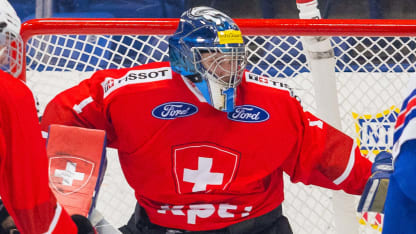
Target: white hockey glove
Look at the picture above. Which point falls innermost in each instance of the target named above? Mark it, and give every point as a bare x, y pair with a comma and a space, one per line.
375, 191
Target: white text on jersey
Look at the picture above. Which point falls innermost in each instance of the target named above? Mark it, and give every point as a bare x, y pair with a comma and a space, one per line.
135, 77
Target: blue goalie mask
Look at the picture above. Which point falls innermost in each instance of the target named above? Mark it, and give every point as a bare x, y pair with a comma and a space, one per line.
208, 48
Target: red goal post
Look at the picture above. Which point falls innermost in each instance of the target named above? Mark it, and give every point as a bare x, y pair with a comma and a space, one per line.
372, 62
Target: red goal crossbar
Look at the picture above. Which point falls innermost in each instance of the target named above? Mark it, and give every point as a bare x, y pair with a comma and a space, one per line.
249, 27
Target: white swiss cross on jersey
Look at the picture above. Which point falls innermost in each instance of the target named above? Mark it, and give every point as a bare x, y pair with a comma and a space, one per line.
203, 167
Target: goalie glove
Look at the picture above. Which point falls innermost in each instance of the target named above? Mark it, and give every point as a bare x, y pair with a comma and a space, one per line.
375, 191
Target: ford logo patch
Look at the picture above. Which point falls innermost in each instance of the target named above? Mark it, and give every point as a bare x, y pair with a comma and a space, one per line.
248, 114
173, 110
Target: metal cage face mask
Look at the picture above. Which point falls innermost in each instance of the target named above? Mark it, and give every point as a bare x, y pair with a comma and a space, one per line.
11, 53
11, 44
221, 70
221, 65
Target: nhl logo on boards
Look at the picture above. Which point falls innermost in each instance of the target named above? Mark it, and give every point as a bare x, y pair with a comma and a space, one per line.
375, 132
203, 167
69, 174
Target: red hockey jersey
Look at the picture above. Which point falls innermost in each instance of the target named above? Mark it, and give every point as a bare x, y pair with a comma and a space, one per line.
196, 168
24, 185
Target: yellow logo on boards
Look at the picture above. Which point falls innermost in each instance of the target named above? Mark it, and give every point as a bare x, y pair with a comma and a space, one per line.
230, 37
375, 132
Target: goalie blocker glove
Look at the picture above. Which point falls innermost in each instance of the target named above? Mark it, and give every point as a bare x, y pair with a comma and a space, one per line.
375, 191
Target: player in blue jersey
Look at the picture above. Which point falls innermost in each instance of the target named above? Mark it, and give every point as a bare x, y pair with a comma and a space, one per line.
400, 206
391, 188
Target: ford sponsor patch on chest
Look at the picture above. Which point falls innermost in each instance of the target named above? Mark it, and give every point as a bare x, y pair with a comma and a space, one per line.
173, 110
248, 114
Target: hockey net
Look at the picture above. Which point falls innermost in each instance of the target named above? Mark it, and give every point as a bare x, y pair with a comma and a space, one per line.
373, 60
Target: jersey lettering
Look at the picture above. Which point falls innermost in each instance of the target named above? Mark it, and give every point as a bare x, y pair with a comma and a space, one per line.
135, 77
173, 110
316, 123
248, 114
195, 212
266, 81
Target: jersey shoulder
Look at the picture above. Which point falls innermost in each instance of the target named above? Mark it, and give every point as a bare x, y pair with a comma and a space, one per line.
268, 84
406, 118
144, 76
13, 89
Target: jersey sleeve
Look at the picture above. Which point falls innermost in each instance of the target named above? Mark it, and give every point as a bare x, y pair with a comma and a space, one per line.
327, 158
80, 106
24, 183
400, 203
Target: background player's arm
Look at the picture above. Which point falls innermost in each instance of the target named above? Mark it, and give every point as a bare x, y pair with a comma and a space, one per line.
24, 184
74, 107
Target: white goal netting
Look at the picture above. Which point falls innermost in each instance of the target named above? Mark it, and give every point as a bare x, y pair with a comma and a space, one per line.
370, 77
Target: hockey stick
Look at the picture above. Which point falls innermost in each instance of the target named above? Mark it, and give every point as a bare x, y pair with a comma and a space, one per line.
101, 225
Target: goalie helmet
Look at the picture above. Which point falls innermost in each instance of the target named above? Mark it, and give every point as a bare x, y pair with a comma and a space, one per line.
11, 44
208, 48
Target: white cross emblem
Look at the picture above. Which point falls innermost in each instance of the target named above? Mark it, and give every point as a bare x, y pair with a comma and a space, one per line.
69, 174
203, 176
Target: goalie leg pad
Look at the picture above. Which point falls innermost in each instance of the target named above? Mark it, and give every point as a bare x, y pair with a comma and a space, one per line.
77, 164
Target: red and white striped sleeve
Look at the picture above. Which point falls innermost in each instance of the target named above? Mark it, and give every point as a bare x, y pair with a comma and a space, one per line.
328, 158
80, 106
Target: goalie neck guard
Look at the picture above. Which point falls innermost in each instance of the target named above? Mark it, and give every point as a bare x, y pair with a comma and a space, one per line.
208, 48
